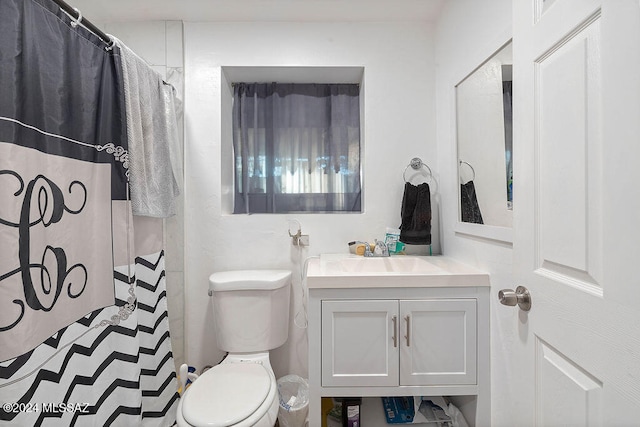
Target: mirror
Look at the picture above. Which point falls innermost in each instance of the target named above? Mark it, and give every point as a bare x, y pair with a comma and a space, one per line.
484, 131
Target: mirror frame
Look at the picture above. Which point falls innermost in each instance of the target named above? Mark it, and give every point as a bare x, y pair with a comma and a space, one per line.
489, 232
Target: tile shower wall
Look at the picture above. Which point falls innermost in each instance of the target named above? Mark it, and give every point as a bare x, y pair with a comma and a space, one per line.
159, 43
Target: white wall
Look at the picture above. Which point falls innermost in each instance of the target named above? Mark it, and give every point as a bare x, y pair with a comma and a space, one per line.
467, 33
399, 123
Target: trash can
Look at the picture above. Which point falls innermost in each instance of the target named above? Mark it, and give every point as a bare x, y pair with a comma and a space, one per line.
294, 401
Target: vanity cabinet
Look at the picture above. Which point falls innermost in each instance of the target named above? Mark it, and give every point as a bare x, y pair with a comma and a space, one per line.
398, 342
399, 334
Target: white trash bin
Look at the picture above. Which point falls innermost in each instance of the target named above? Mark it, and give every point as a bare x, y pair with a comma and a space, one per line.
293, 392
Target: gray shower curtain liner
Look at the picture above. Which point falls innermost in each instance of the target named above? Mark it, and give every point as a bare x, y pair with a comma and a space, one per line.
84, 336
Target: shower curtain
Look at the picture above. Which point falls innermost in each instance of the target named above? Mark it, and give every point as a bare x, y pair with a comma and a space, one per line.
84, 336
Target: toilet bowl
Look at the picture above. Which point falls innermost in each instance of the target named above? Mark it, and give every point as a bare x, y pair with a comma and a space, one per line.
251, 314
240, 392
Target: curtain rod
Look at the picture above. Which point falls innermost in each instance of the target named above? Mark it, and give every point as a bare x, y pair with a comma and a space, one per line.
75, 14
234, 84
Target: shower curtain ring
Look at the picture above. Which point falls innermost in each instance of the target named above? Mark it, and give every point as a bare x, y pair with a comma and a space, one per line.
76, 21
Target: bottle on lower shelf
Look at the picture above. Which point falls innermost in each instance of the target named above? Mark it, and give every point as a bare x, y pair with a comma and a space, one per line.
341, 412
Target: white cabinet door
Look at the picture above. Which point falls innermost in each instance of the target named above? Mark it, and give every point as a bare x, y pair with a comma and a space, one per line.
438, 342
358, 343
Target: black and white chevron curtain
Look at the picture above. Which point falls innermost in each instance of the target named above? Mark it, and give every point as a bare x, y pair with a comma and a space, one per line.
84, 335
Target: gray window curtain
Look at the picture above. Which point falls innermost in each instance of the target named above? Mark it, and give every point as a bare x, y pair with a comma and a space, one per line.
296, 147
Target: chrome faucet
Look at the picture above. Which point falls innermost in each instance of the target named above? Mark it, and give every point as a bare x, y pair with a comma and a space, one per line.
380, 249
367, 248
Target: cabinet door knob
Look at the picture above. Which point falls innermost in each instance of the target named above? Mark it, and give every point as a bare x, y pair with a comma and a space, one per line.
521, 297
408, 320
394, 320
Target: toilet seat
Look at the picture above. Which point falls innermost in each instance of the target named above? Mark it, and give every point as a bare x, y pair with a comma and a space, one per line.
226, 394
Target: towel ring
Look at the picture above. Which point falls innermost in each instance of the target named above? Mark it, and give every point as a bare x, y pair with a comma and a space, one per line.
416, 164
473, 171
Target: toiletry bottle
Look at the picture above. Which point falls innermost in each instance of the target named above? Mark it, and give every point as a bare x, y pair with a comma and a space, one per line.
391, 239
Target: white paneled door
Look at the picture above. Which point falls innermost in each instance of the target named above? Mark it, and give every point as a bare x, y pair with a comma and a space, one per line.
576, 359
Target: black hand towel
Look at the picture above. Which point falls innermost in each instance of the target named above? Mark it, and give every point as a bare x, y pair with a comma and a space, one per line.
416, 214
469, 204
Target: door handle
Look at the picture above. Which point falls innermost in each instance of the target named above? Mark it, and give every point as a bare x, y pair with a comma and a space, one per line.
521, 296
394, 319
408, 336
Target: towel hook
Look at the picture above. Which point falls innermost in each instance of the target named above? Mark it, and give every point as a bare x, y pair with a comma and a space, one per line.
473, 171
76, 21
416, 164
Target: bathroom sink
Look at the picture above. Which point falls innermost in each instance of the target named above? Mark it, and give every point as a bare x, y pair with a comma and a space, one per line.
352, 271
376, 266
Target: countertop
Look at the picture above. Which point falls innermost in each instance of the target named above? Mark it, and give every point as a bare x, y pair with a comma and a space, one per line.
352, 271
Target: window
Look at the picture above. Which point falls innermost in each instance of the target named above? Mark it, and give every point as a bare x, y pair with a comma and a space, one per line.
296, 147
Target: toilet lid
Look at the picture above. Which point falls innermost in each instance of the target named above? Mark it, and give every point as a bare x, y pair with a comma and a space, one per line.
226, 394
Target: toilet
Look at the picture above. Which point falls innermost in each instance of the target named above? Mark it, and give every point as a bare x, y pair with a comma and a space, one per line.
251, 316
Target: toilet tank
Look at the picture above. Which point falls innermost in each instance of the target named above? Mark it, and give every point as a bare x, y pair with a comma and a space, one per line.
250, 309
